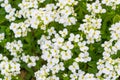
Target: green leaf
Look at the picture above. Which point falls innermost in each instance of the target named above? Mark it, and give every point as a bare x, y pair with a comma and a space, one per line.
92, 63
2, 15
66, 78
114, 56
116, 18
30, 70
15, 3
1, 76
92, 70
68, 63
28, 76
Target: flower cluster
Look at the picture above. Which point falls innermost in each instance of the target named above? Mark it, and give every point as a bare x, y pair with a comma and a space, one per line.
91, 28
52, 52
39, 17
112, 3
8, 68
14, 47
79, 74
95, 8
45, 71
8, 8
20, 30
30, 60
115, 34
107, 66
65, 11
57, 48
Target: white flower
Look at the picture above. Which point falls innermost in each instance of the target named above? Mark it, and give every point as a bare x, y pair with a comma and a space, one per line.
34, 23
54, 52
10, 17
53, 77
74, 38
58, 41
65, 55
61, 66
64, 32
55, 69
73, 76
50, 64
74, 67
1, 57
18, 33
7, 78
89, 77
83, 46
2, 36
14, 26
68, 45
51, 31
83, 57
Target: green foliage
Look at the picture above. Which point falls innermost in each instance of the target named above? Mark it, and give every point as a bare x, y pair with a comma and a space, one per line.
2, 15
92, 68
116, 18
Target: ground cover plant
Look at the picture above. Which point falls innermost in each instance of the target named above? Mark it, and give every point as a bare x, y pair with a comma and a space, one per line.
59, 39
